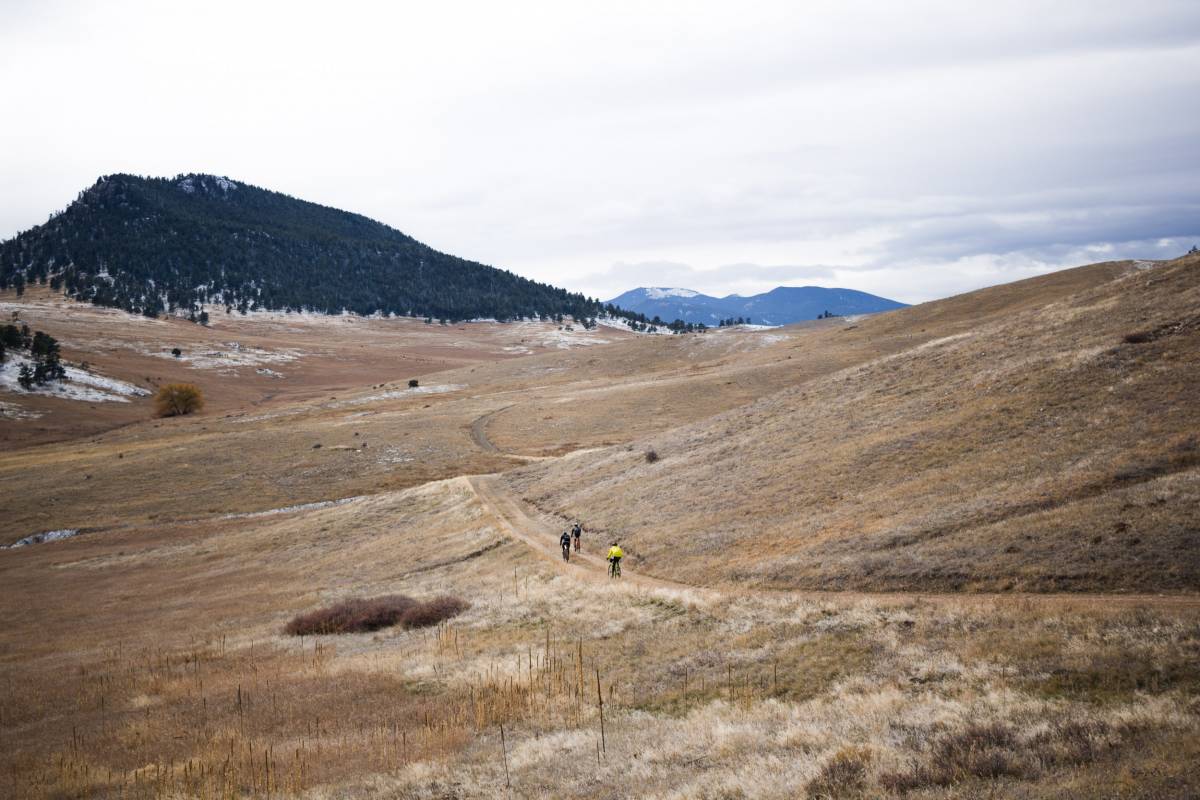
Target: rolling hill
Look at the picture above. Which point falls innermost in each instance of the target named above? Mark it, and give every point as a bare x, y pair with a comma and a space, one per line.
782, 305
153, 245
1038, 436
1037, 439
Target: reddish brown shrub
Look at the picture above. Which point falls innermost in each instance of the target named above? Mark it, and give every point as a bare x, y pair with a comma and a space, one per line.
360, 615
431, 612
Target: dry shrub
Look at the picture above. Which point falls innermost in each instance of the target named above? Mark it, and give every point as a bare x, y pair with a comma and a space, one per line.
651, 456
365, 614
177, 399
431, 612
977, 751
844, 775
1071, 743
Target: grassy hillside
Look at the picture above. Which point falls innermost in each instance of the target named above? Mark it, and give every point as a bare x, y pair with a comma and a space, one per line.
1037, 436
997, 440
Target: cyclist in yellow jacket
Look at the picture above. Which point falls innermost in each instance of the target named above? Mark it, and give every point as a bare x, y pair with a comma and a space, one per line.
614, 560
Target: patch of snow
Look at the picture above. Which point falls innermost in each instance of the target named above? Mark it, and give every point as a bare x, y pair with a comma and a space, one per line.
14, 411
290, 509
1146, 264
42, 538
238, 355
79, 385
544, 335
660, 293
395, 455
395, 393
621, 323
270, 373
59, 307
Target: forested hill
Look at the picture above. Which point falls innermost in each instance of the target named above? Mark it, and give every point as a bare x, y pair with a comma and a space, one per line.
151, 245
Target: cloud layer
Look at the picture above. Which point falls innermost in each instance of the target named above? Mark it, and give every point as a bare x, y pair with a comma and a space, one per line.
911, 150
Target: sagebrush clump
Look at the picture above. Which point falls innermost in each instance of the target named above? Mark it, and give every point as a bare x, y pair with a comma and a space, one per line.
177, 399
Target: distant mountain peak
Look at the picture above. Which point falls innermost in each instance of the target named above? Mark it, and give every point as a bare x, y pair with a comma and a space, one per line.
658, 293
782, 305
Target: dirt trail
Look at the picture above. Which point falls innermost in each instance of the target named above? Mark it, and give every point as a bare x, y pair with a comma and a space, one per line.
542, 537
510, 514
479, 431
479, 436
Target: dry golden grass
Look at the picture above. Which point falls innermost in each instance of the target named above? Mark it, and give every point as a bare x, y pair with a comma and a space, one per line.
146, 657
1035, 450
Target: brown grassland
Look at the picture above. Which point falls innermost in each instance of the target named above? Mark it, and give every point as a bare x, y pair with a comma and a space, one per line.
949, 551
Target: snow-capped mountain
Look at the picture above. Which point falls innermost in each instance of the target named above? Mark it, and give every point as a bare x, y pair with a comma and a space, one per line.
780, 306
659, 294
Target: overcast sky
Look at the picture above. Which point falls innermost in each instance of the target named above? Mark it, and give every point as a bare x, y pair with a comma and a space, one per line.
912, 150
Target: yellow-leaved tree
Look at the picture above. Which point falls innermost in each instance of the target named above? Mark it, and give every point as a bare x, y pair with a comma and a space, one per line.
175, 399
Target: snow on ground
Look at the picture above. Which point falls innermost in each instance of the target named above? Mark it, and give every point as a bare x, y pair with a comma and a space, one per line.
79, 385
396, 393
620, 323
542, 334
60, 307
41, 538
289, 509
15, 411
233, 355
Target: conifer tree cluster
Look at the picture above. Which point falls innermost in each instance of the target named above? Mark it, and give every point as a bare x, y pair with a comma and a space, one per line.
44, 365
198, 242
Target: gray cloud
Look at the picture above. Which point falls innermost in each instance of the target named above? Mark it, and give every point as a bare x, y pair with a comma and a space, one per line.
917, 149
